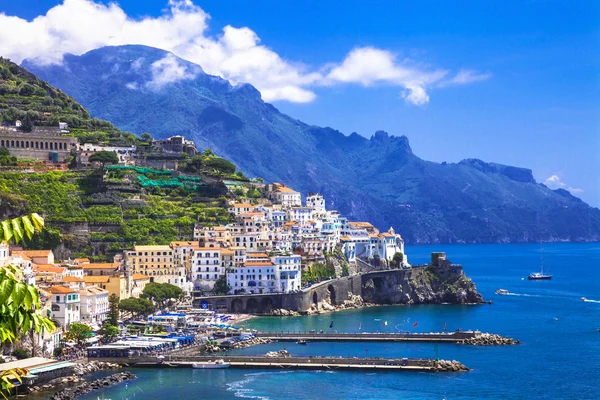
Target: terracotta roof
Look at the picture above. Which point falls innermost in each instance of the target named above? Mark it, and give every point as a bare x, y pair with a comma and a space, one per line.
207, 248
34, 253
249, 263
225, 252
96, 279
82, 260
284, 189
60, 290
361, 224
113, 265
345, 238
242, 205
257, 255
139, 277
72, 279
184, 244
152, 248
49, 268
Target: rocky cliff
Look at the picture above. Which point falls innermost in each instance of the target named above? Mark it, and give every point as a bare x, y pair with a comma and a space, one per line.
427, 285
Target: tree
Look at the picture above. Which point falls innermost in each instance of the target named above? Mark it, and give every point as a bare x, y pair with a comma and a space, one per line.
20, 303
146, 137
220, 165
136, 306
221, 286
108, 332
105, 157
21, 353
113, 310
78, 333
160, 292
397, 260
27, 124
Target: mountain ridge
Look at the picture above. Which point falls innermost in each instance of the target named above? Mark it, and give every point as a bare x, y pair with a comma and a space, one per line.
378, 179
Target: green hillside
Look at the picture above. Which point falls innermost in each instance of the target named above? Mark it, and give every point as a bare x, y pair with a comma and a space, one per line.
115, 205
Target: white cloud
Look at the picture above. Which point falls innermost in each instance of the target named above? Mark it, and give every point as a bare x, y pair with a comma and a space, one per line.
554, 182
168, 70
237, 54
464, 77
368, 66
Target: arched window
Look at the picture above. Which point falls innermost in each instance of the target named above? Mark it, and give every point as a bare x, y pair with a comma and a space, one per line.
50, 145
46, 145
27, 144
37, 145
22, 143
2, 143
12, 143
55, 307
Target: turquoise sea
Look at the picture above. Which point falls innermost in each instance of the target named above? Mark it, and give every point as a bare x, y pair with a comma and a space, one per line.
559, 357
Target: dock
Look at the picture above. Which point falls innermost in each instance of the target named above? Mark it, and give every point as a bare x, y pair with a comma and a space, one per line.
305, 363
434, 337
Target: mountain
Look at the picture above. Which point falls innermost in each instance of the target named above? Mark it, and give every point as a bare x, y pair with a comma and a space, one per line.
142, 89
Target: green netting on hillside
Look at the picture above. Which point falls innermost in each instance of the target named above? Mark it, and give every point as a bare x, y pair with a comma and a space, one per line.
171, 183
141, 170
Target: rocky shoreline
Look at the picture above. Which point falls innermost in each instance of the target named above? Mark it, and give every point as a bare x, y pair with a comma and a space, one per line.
86, 387
238, 345
81, 368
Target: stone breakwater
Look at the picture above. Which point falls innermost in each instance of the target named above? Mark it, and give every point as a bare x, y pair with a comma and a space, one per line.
450, 366
488, 339
325, 306
86, 387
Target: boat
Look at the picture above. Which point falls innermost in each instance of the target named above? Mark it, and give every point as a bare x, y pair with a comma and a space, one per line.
583, 299
540, 276
301, 341
501, 291
218, 364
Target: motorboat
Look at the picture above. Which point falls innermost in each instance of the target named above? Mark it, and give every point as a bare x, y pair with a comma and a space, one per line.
502, 291
301, 341
583, 299
217, 364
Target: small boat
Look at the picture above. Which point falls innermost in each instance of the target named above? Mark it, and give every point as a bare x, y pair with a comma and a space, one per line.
218, 364
583, 299
501, 291
540, 276
301, 341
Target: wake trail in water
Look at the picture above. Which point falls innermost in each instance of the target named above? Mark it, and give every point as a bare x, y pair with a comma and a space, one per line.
240, 390
591, 301
524, 295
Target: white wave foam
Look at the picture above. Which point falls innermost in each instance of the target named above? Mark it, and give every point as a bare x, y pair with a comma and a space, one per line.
591, 301
239, 387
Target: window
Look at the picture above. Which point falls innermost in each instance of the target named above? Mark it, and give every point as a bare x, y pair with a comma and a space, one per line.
58, 299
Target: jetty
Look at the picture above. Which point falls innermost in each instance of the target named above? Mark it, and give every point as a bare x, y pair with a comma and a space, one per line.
305, 363
316, 336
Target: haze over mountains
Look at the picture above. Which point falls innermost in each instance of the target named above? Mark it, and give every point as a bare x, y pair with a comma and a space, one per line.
143, 89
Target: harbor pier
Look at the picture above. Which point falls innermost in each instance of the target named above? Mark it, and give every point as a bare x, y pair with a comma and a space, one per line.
306, 363
316, 336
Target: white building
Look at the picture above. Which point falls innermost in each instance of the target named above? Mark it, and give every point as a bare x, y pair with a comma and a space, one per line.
300, 214
206, 267
65, 305
285, 196
288, 272
315, 202
94, 305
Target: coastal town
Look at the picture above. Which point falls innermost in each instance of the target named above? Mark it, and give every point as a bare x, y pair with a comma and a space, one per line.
279, 243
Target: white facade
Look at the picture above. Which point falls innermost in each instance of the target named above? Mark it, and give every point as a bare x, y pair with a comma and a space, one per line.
65, 305
316, 202
93, 305
206, 267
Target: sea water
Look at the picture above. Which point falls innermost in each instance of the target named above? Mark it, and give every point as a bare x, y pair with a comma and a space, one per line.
559, 355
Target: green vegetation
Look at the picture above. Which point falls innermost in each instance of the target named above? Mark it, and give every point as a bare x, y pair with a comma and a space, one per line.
317, 271
221, 286
6, 159
397, 260
113, 310
21, 305
144, 216
109, 332
21, 353
137, 306
161, 292
209, 164
105, 157
79, 333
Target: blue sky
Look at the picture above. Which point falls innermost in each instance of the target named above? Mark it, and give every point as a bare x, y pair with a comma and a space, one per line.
536, 102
